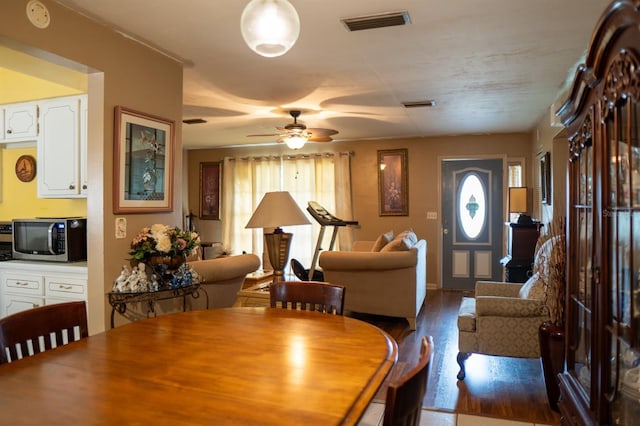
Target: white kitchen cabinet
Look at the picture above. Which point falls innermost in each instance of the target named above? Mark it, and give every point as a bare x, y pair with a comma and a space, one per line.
26, 285
20, 122
62, 146
20, 291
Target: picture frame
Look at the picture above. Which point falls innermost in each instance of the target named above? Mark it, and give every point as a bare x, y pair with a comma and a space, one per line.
393, 182
143, 162
210, 179
545, 178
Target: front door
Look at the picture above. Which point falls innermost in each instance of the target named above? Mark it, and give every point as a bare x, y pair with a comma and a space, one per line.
472, 221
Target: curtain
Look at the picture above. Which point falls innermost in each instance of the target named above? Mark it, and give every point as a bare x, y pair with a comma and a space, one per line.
324, 178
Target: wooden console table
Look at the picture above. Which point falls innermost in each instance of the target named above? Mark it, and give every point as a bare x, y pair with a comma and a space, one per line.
119, 300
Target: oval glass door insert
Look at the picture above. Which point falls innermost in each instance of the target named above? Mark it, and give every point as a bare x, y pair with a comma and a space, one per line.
472, 205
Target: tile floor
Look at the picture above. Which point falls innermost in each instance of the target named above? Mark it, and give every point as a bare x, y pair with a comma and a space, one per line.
375, 411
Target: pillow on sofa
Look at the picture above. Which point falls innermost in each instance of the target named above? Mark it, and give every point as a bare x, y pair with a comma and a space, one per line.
382, 241
409, 235
398, 244
533, 288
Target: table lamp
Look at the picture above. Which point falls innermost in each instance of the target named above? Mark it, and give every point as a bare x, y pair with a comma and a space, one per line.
277, 209
518, 203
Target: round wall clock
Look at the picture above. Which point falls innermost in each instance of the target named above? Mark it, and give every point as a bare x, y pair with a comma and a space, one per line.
26, 168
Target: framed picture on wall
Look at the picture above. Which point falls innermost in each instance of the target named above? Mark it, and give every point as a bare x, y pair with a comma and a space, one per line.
143, 162
393, 183
545, 178
210, 190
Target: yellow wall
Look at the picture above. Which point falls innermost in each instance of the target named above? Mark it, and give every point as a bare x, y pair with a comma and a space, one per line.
19, 87
19, 199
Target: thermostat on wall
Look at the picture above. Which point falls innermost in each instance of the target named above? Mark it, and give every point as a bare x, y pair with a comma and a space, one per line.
38, 14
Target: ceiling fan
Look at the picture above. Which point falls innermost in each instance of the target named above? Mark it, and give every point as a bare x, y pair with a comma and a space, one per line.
295, 134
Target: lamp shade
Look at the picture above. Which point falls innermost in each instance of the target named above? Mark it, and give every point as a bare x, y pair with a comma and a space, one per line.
270, 27
518, 200
277, 209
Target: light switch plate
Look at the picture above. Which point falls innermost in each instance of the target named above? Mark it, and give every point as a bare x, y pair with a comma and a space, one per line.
121, 228
432, 215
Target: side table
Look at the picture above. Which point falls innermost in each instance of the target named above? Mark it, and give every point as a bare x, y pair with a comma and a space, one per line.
256, 296
257, 277
119, 300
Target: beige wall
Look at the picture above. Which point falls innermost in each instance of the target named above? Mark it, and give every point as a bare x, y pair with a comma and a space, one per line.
122, 73
424, 155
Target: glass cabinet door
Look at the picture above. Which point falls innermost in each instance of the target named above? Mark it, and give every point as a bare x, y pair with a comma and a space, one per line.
581, 283
621, 220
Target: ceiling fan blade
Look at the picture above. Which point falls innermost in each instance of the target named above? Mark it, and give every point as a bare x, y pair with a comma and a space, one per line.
320, 139
322, 132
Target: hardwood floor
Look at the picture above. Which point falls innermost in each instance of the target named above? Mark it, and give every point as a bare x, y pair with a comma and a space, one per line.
504, 387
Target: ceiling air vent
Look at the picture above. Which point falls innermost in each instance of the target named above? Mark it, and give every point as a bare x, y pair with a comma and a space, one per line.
419, 104
380, 20
194, 121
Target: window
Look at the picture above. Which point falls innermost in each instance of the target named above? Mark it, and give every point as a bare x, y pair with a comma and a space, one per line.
324, 178
515, 177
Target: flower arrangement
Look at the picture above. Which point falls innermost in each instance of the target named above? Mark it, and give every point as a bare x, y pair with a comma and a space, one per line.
163, 240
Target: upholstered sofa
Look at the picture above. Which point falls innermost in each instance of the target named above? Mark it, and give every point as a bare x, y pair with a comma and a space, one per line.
222, 278
391, 283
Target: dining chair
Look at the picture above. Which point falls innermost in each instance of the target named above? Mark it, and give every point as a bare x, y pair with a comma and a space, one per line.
404, 395
39, 329
308, 295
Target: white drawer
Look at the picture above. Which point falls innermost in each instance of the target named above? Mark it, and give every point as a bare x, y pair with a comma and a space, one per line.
66, 287
24, 284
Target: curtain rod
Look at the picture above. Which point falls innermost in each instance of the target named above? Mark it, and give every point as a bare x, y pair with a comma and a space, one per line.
290, 156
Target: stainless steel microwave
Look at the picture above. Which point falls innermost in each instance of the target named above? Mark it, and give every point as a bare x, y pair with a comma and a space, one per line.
50, 239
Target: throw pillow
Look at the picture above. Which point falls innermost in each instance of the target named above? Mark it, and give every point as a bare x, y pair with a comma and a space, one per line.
533, 288
382, 241
398, 244
409, 235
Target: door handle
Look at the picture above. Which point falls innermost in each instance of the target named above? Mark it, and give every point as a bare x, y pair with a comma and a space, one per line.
445, 231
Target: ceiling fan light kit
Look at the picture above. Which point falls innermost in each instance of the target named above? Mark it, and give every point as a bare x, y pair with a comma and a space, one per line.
270, 27
295, 141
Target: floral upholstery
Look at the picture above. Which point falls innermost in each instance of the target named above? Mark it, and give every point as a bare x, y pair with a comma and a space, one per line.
499, 322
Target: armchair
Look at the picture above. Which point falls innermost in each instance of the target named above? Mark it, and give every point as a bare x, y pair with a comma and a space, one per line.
503, 319
222, 278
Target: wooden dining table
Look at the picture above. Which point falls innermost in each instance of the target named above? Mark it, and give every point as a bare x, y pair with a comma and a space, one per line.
242, 366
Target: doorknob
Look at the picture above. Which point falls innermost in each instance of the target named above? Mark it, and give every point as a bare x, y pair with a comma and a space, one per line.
445, 231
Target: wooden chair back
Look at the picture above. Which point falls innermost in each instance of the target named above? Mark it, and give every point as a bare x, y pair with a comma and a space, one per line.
36, 330
308, 295
404, 396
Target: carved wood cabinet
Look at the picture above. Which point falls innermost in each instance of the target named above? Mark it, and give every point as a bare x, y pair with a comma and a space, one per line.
601, 384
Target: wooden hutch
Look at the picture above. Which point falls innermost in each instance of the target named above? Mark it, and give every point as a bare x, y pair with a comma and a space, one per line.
602, 116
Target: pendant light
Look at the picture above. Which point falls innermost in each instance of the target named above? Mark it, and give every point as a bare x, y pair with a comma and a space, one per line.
270, 27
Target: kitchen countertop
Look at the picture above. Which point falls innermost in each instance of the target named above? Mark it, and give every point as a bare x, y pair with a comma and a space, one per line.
35, 266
